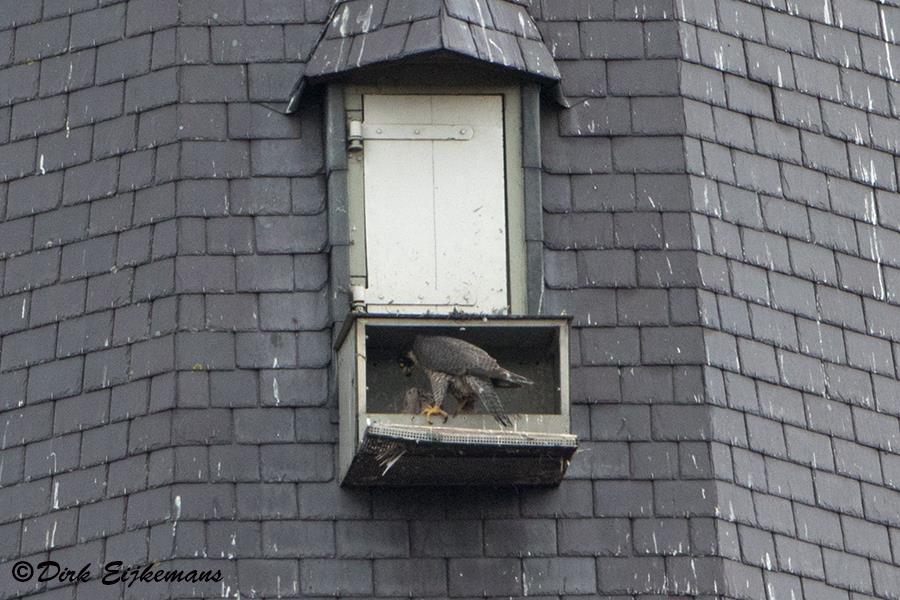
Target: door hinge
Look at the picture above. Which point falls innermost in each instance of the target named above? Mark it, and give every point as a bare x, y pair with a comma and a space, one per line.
395, 131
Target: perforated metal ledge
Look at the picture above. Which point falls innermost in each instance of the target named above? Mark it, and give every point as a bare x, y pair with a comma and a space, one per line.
416, 455
456, 435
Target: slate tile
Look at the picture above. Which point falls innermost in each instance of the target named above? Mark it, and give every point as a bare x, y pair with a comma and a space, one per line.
93, 28
42, 39
123, 60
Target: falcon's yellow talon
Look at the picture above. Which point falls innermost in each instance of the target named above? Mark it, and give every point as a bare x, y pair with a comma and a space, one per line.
431, 410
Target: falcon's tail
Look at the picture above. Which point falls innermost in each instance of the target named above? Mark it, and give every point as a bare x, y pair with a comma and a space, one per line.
505, 378
489, 399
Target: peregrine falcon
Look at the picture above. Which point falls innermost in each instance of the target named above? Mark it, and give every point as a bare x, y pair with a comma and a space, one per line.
463, 368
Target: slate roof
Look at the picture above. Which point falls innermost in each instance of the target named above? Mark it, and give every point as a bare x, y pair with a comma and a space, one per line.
366, 32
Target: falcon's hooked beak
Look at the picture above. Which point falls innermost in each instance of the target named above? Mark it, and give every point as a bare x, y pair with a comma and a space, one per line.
407, 362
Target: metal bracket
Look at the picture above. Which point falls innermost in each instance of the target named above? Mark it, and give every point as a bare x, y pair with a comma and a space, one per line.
354, 136
395, 131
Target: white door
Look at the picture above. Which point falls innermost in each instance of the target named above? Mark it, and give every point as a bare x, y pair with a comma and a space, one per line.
435, 208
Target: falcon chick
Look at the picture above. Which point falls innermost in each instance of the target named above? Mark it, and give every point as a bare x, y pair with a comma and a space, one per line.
415, 400
463, 368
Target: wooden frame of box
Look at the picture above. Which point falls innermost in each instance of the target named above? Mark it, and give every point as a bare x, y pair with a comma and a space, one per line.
383, 443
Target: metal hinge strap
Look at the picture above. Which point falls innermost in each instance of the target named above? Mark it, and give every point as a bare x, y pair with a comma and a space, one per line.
417, 132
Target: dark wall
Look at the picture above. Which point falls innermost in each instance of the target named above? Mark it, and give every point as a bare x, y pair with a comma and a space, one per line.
720, 218
792, 140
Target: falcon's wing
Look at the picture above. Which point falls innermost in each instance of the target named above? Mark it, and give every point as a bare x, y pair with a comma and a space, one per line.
458, 357
451, 355
489, 398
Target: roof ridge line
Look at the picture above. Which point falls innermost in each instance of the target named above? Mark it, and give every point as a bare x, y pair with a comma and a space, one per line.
495, 32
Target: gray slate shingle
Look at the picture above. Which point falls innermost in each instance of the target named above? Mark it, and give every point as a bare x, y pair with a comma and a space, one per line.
364, 32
